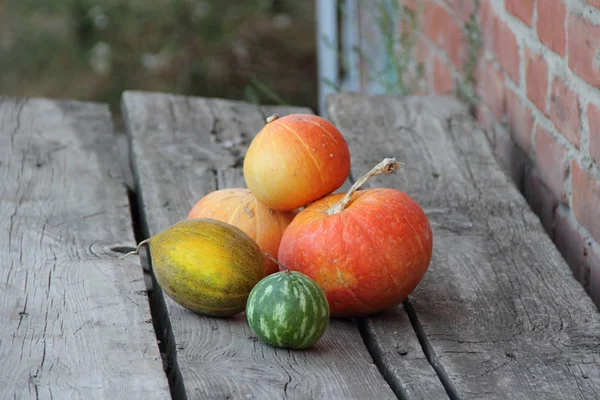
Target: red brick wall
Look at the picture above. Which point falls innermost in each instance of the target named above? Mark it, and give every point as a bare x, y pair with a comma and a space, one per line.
538, 86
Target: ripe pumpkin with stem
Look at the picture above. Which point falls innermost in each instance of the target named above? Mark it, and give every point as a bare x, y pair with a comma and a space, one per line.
238, 207
294, 160
367, 249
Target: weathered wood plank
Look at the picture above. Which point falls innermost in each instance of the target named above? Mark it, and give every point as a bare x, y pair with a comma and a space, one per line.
499, 312
75, 319
182, 149
401, 360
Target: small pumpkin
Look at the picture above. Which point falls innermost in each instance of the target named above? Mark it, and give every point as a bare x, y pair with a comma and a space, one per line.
238, 207
368, 249
206, 266
294, 160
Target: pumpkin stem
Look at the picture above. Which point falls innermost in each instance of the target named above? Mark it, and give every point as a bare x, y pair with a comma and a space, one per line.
286, 269
272, 118
137, 250
386, 166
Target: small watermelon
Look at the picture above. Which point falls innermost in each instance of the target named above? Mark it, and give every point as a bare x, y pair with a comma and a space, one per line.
288, 309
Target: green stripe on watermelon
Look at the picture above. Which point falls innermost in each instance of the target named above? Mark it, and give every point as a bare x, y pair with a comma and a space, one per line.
288, 310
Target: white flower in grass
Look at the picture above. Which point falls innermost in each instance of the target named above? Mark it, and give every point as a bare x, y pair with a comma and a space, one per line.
100, 58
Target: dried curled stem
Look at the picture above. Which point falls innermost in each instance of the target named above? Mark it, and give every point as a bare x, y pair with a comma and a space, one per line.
272, 118
137, 250
386, 166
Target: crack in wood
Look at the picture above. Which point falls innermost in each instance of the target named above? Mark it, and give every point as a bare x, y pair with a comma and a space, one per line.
159, 320
429, 352
378, 358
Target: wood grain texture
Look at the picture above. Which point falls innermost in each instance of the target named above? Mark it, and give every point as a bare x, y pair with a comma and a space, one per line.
401, 360
499, 312
182, 149
75, 319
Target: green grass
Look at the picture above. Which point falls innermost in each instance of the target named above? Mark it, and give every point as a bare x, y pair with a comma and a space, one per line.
256, 50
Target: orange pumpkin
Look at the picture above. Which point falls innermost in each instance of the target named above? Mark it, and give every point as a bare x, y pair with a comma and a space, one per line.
239, 208
295, 160
367, 250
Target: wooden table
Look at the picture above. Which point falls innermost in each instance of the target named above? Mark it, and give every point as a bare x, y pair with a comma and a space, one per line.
497, 316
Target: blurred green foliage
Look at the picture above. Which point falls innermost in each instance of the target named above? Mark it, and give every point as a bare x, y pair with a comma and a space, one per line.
255, 50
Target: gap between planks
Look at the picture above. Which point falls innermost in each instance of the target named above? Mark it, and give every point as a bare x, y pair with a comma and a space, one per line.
160, 320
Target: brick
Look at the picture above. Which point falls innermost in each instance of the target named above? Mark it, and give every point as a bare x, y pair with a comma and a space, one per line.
422, 50
443, 82
411, 4
550, 24
584, 49
564, 111
594, 127
487, 23
423, 56
536, 78
520, 120
506, 50
550, 156
445, 32
522, 9
593, 269
541, 200
594, 3
462, 8
571, 244
490, 87
586, 199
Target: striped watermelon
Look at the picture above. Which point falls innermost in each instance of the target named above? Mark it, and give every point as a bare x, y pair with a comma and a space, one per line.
288, 309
